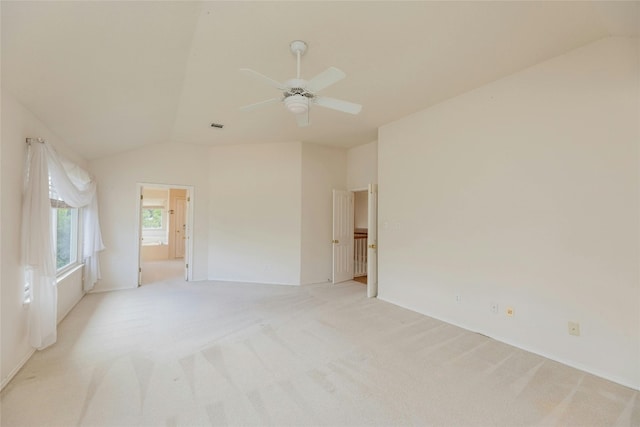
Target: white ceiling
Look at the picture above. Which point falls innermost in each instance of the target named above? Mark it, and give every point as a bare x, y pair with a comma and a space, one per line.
112, 76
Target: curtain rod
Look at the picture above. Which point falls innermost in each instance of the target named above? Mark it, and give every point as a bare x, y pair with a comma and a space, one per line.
30, 140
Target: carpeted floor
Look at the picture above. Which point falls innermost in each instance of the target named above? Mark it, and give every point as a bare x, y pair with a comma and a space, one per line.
159, 271
211, 353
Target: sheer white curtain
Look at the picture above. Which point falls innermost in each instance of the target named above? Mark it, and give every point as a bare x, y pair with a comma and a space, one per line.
77, 189
38, 256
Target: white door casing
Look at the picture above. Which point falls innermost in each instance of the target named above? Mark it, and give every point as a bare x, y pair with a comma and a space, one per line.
372, 242
342, 235
140, 201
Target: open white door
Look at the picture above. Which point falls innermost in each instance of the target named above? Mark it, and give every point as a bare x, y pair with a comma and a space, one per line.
187, 235
342, 236
372, 243
180, 227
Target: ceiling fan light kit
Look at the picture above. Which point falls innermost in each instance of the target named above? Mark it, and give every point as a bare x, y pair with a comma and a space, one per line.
298, 94
297, 104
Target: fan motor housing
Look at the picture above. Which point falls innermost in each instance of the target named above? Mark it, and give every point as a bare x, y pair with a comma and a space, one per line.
298, 91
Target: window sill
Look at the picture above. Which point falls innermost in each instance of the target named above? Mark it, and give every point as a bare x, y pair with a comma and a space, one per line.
68, 272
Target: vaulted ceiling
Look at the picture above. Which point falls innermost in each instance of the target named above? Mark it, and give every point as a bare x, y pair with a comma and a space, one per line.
112, 76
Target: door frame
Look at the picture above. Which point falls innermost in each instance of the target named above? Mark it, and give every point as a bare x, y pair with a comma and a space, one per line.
188, 256
372, 241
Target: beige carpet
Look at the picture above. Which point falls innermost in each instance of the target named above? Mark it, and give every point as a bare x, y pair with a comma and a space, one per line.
206, 353
159, 271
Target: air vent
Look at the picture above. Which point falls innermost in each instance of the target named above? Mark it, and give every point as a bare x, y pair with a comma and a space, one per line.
217, 125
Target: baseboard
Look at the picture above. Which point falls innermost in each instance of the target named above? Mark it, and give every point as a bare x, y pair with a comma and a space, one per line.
102, 290
249, 282
15, 370
71, 308
621, 381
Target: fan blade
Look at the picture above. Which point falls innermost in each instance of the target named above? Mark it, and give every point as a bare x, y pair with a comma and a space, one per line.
268, 80
337, 104
260, 104
303, 119
325, 79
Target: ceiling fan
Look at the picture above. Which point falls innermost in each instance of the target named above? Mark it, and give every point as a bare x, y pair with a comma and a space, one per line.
298, 93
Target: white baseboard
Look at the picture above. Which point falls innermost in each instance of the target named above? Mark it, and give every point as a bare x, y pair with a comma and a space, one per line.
67, 310
587, 369
15, 370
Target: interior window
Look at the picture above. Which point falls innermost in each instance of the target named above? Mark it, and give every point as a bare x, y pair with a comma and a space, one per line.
65, 226
64, 221
64, 230
153, 218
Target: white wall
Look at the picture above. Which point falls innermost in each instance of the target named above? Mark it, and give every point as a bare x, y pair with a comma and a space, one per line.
17, 124
118, 176
323, 169
528, 196
255, 213
362, 166
70, 292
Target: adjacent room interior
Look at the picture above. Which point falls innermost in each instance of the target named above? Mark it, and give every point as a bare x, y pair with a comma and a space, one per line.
164, 233
484, 269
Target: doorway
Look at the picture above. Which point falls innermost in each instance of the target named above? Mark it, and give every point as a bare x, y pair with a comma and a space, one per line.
360, 234
165, 219
355, 237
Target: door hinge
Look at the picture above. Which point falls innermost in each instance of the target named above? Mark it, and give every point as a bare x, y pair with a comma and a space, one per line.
188, 199
139, 270
141, 197
335, 241
186, 266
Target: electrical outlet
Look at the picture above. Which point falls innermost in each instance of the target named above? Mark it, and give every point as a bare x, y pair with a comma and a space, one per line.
494, 308
510, 311
574, 329
458, 298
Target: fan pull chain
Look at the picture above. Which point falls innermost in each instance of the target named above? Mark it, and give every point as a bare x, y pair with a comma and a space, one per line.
298, 55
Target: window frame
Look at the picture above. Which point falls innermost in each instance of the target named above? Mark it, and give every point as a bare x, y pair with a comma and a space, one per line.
163, 217
74, 231
74, 251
